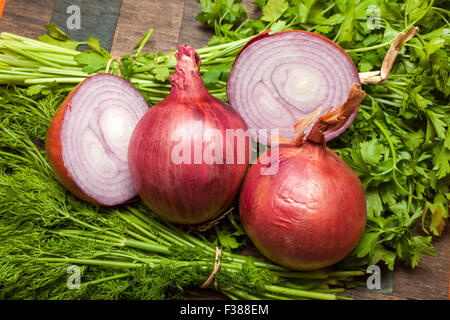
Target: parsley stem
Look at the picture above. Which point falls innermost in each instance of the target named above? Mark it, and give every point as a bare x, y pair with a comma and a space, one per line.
243, 24
163, 92
234, 44
394, 155
364, 49
35, 56
388, 102
307, 285
266, 295
29, 41
300, 293
142, 42
437, 10
234, 223
423, 14
328, 8
149, 83
408, 208
334, 290
385, 95
66, 71
239, 294
50, 80
394, 87
350, 273
303, 275
15, 62
230, 295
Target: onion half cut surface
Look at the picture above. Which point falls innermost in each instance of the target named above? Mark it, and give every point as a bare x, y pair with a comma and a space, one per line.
87, 142
280, 78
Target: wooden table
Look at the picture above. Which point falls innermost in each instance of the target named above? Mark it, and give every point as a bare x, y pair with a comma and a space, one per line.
174, 24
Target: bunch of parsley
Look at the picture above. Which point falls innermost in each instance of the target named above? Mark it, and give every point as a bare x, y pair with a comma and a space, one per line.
399, 144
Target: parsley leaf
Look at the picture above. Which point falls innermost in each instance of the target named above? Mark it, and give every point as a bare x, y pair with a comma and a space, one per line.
273, 10
161, 73
372, 151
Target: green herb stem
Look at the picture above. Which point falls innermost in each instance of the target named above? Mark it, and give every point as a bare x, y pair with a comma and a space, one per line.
300, 293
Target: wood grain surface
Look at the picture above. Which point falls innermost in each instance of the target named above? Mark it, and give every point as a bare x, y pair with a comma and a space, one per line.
94, 19
174, 23
26, 17
136, 17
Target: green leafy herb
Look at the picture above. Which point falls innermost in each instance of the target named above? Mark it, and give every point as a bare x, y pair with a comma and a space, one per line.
399, 145
57, 37
273, 10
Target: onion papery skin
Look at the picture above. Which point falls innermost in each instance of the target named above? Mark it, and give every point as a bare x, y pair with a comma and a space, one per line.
279, 78
307, 216
80, 143
191, 191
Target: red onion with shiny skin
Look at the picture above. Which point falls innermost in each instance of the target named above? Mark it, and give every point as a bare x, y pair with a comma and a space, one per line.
312, 212
87, 142
179, 170
282, 77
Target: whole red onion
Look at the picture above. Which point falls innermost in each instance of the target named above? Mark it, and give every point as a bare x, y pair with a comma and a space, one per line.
312, 212
187, 155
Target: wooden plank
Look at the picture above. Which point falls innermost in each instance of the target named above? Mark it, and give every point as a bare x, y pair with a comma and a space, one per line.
252, 10
80, 19
26, 17
430, 280
366, 295
137, 17
193, 32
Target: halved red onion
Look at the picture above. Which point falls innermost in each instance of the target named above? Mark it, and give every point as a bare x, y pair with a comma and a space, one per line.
87, 142
280, 78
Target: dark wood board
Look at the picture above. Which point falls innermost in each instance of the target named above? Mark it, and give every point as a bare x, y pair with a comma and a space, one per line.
174, 23
26, 17
83, 19
137, 17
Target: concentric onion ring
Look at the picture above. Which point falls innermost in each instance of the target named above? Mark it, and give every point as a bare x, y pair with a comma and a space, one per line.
280, 78
87, 142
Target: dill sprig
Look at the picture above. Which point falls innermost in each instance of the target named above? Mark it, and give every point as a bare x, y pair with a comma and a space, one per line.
124, 252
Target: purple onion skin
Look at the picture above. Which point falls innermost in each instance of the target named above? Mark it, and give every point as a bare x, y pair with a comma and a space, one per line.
185, 193
53, 148
307, 216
